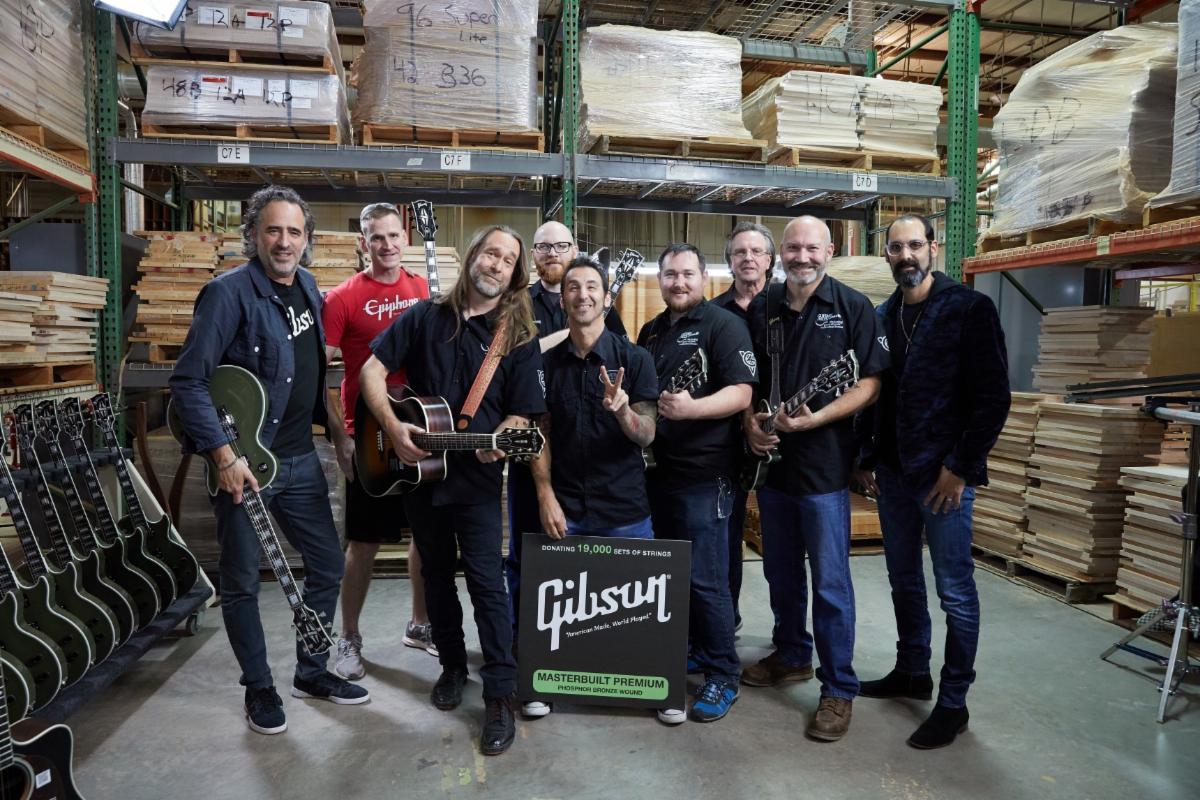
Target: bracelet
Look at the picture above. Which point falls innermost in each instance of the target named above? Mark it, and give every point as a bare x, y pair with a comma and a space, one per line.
227, 466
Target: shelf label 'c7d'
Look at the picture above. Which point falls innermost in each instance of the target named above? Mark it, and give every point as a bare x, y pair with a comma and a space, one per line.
233, 154
456, 160
864, 182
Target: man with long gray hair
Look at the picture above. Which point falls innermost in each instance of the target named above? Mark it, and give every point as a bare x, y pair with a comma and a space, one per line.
265, 316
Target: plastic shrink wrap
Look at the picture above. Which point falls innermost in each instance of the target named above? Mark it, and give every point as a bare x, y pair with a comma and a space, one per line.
1087, 132
186, 95
640, 82
825, 111
41, 56
1185, 163
466, 64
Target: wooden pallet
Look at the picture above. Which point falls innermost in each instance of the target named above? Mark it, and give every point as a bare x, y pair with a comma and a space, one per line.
321, 134
172, 55
1126, 612
752, 531
1069, 588
164, 353
378, 134
33, 131
714, 148
1170, 213
785, 156
53, 373
992, 561
1063, 232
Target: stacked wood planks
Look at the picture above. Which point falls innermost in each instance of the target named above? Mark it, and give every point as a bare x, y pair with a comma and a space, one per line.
64, 325
175, 267
448, 264
16, 327
335, 257
1176, 439
1151, 545
229, 252
1077, 510
1092, 343
641, 301
999, 522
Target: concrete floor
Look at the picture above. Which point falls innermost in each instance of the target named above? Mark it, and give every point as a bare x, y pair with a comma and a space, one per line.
1049, 720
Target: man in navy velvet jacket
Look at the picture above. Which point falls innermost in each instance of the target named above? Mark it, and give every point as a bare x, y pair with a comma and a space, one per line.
944, 401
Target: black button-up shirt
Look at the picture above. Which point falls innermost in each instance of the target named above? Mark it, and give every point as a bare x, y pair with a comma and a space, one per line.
597, 472
836, 319
728, 301
441, 361
698, 450
550, 317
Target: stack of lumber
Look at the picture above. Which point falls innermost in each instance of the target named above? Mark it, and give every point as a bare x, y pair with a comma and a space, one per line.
1151, 546
16, 327
449, 264
718, 282
999, 522
229, 252
174, 268
64, 325
1092, 343
1177, 437
640, 301
335, 257
1077, 509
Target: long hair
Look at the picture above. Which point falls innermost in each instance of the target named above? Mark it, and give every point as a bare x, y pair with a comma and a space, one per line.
514, 305
254, 208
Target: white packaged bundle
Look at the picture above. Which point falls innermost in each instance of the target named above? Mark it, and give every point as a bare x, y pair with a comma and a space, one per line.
41, 55
640, 82
825, 111
1087, 132
467, 64
1185, 164
185, 95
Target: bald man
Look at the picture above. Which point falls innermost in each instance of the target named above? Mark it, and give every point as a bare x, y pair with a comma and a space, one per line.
554, 249
805, 503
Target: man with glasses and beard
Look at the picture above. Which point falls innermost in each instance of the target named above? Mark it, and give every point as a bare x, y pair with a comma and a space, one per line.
944, 401
443, 345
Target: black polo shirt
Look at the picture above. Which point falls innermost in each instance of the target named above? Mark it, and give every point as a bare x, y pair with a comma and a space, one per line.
836, 319
728, 301
442, 362
597, 472
698, 450
550, 317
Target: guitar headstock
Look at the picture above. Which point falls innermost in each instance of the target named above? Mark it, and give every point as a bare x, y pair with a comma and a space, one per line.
313, 630
520, 444
691, 373
424, 219
626, 269
70, 418
46, 421
23, 425
841, 373
101, 409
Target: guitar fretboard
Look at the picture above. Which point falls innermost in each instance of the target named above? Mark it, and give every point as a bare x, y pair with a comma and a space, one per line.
83, 538
34, 561
136, 514
6, 745
455, 441
431, 269
106, 529
29, 459
270, 544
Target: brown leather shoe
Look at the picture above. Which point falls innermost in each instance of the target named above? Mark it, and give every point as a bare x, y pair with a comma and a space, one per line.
773, 670
832, 719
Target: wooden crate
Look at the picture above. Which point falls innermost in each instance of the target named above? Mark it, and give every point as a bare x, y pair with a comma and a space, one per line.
1066, 231
321, 134
786, 156
393, 135
46, 374
719, 148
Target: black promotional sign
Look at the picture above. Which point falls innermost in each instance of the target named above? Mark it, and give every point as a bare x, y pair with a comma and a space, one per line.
604, 621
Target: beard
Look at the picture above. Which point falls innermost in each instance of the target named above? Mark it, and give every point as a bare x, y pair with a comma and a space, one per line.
680, 303
281, 266
908, 280
792, 277
551, 272
483, 285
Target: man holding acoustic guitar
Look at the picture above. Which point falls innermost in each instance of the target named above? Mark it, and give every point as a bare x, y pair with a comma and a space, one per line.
476, 347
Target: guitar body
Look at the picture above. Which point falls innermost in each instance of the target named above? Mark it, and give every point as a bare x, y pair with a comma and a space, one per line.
71, 599
134, 539
32, 649
137, 585
754, 469
42, 611
94, 577
43, 768
18, 689
380, 470
159, 545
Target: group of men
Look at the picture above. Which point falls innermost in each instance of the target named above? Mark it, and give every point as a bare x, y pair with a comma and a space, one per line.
930, 400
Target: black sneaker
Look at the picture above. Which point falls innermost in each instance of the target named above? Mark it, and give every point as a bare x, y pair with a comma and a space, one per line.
499, 726
264, 711
332, 688
447, 692
898, 684
942, 728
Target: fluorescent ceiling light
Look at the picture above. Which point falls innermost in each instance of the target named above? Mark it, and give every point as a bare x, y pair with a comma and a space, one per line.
160, 13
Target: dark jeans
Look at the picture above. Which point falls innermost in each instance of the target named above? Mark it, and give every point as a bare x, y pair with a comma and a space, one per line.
522, 518
903, 517
298, 499
818, 526
737, 533
441, 533
642, 529
700, 514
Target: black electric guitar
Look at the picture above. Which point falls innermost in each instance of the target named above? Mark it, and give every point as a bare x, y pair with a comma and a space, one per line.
379, 467
839, 374
687, 377
24, 642
35, 757
624, 272
16, 689
426, 223
241, 405
153, 546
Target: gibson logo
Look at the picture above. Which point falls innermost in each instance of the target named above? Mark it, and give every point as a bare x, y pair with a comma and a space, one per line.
587, 605
377, 308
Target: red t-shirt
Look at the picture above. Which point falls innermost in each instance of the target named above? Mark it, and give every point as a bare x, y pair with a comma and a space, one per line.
355, 313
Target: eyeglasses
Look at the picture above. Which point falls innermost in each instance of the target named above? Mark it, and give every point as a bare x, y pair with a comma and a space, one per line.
545, 248
915, 246
755, 253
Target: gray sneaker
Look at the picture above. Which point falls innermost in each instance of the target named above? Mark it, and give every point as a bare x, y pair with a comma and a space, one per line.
349, 662
420, 636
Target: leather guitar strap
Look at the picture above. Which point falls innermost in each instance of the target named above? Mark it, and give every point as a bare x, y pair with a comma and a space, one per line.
483, 379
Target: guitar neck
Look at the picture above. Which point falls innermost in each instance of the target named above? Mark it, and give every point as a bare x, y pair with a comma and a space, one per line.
83, 526
136, 514
107, 528
54, 528
253, 504
34, 561
6, 744
431, 268
455, 441
793, 403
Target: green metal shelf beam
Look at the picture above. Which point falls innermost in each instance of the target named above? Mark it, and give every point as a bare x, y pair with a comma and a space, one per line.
914, 47
50, 211
962, 138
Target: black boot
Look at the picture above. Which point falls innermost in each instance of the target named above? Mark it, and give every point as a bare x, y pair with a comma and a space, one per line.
447, 692
499, 726
897, 684
943, 725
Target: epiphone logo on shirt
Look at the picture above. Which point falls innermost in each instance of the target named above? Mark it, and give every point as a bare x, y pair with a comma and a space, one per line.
301, 323
587, 605
377, 308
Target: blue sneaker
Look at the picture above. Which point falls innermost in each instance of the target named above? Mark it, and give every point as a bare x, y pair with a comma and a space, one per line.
714, 701
693, 666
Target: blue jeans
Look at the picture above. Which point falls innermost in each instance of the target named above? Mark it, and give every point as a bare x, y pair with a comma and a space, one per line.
737, 533
903, 517
441, 533
700, 514
816, 525
522, 518
641, 529
298, 499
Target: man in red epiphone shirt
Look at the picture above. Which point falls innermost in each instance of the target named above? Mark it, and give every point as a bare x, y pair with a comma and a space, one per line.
354, 314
